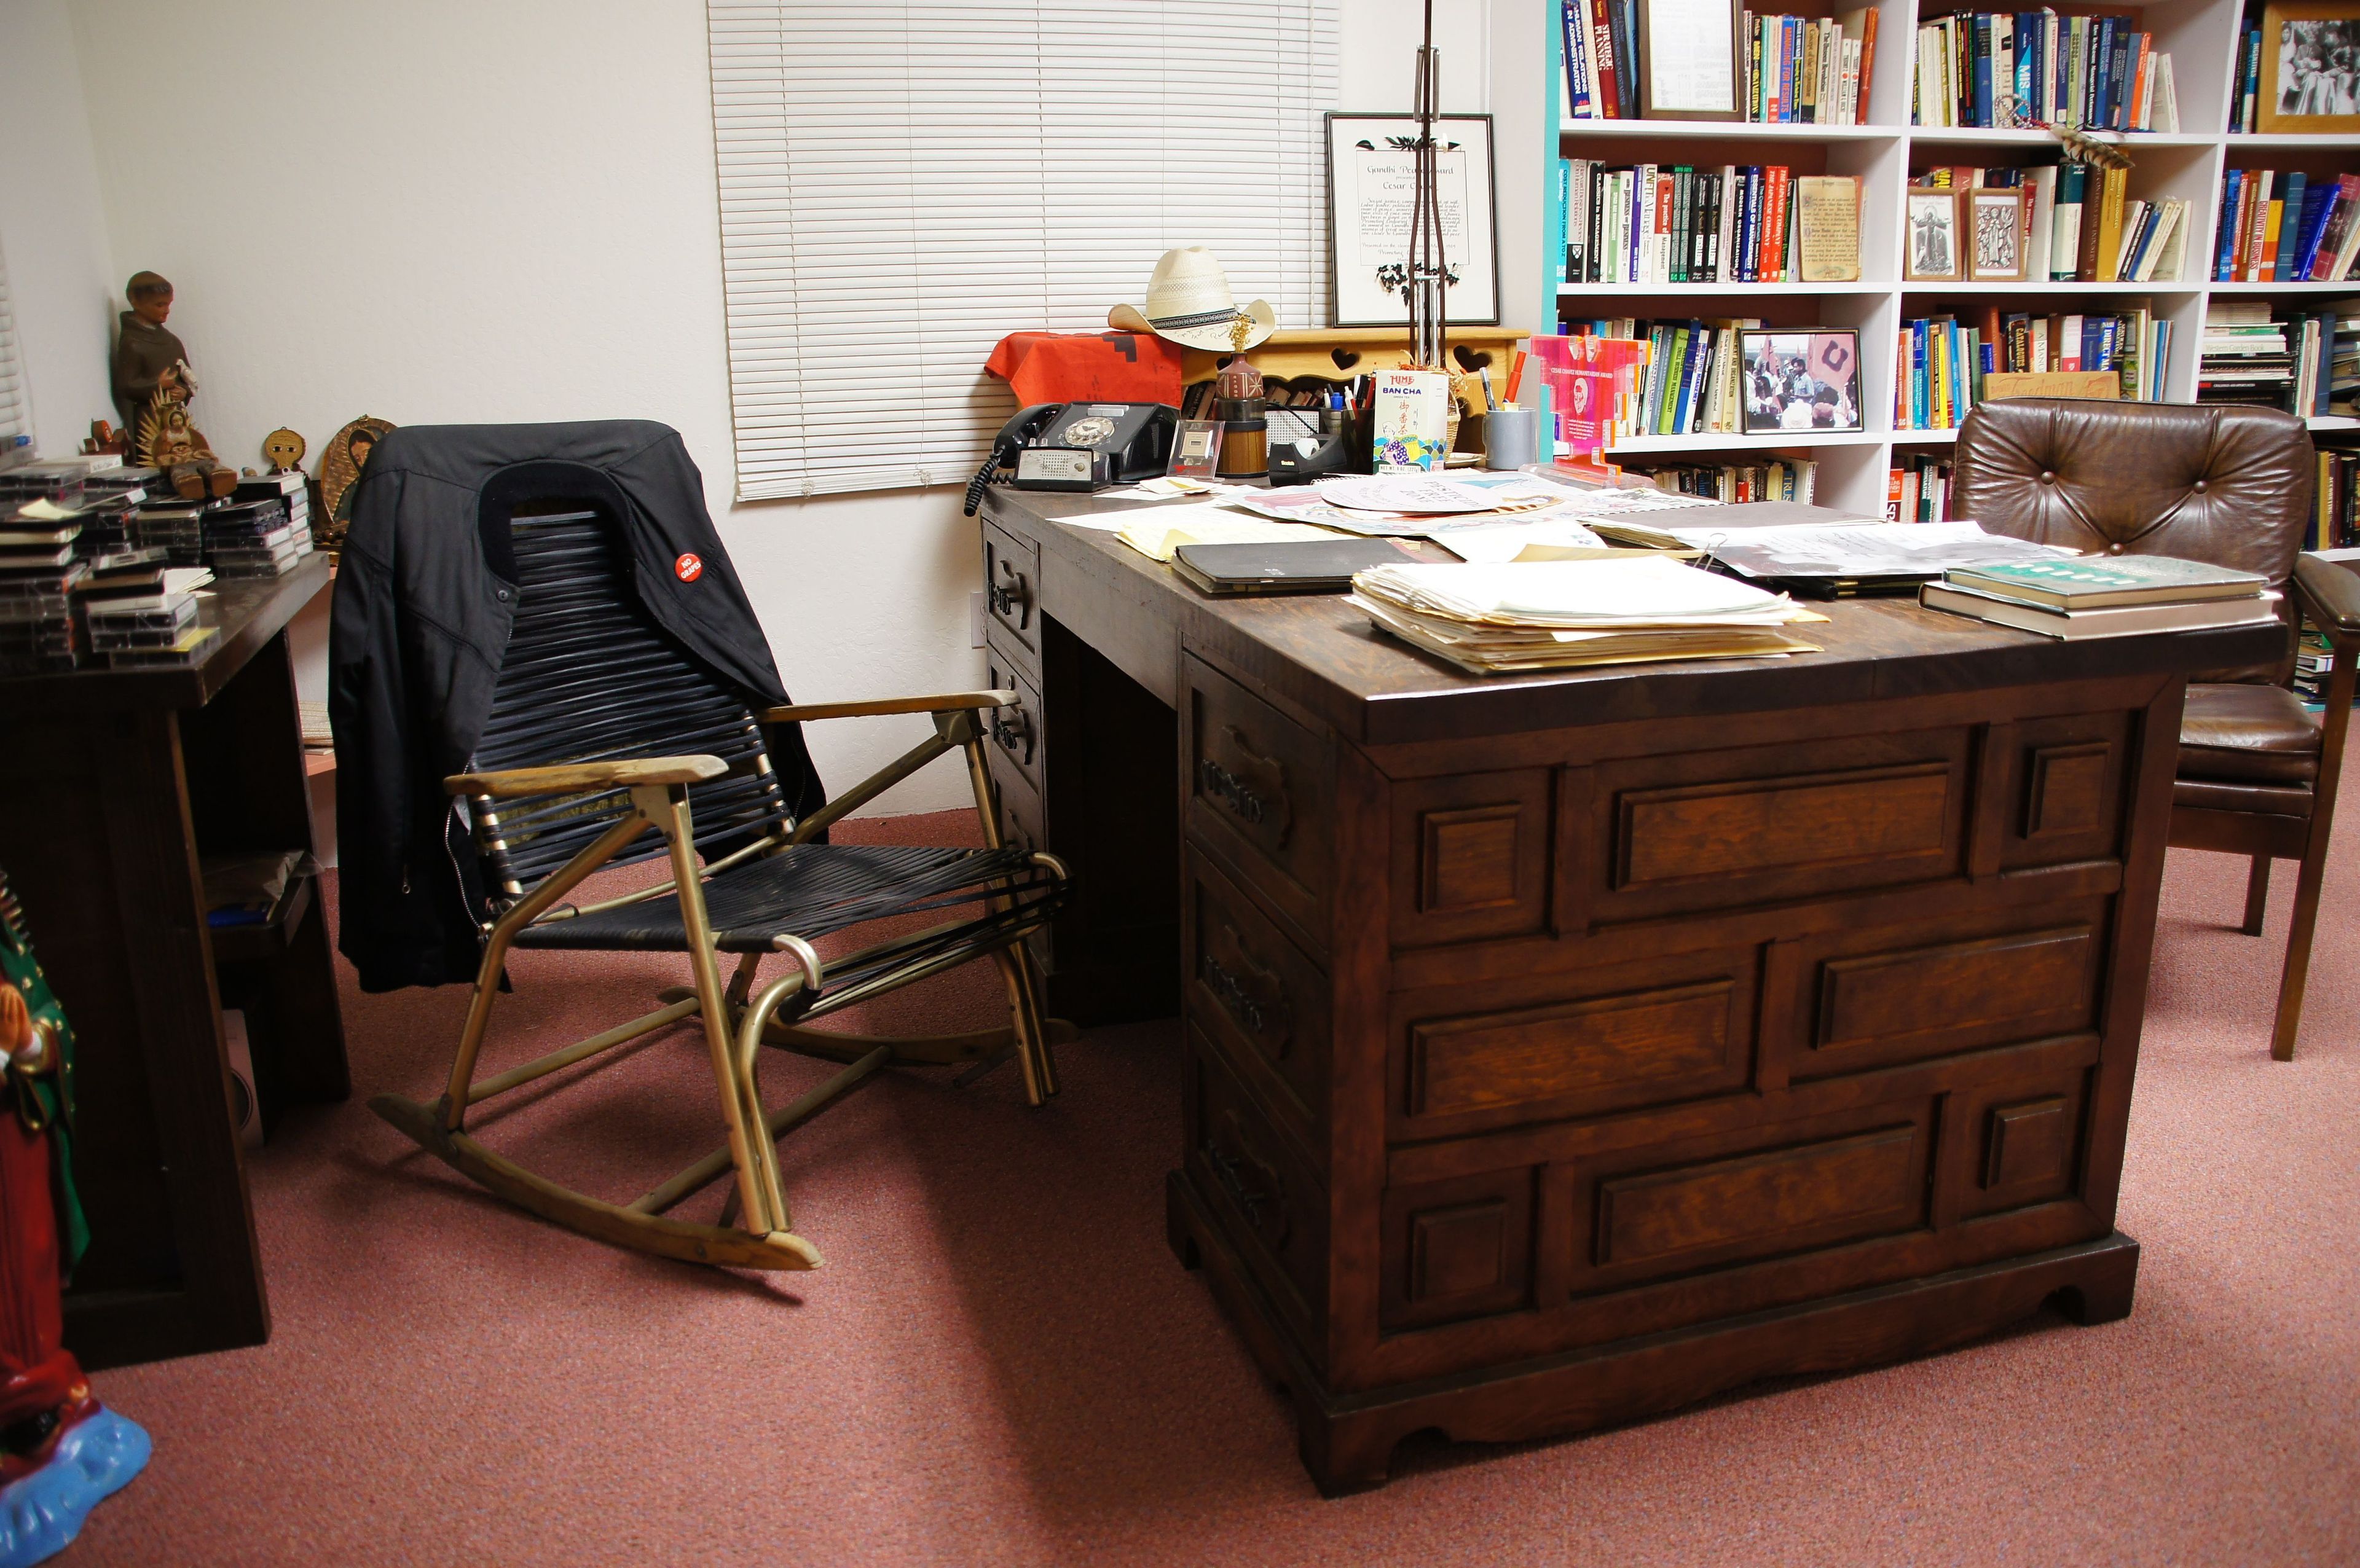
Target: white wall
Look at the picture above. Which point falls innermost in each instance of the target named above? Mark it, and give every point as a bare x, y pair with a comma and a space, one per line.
52, 228
445, 212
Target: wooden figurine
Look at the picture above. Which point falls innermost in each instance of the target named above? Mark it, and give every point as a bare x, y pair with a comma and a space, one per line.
60, 1450
283, 449
153, 385
339, 469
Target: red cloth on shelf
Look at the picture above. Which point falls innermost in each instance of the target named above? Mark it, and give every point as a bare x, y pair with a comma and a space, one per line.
1087, 367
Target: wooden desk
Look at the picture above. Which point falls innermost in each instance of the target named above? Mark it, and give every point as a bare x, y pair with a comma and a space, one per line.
111, 782
1562, 1050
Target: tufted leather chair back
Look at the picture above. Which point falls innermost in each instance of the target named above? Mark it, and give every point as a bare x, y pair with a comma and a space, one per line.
2221, 484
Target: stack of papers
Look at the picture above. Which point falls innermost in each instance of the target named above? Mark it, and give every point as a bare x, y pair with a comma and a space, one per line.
1558, 614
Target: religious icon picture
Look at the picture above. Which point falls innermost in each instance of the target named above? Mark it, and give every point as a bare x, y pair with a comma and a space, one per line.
1800, 379
1933, 239
1995, 235
1197, 449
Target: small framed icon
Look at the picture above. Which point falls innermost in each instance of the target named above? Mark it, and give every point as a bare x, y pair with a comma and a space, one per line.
1196, 449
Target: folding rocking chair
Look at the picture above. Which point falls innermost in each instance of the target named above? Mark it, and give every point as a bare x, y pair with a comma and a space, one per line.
604, 729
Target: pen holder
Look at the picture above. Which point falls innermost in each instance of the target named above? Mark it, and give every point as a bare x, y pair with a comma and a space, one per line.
1512, 439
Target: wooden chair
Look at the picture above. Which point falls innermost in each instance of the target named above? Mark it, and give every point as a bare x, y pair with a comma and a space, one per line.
2232, 485
604, 729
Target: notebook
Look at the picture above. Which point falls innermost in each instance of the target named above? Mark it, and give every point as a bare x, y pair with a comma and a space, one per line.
1308, 566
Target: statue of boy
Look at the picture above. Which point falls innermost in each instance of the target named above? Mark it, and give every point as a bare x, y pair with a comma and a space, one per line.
153, 385
146, 353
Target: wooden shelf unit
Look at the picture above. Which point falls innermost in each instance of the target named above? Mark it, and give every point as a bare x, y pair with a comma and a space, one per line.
2190, 164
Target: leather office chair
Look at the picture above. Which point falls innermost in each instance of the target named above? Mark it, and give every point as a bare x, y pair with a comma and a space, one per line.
2229, 485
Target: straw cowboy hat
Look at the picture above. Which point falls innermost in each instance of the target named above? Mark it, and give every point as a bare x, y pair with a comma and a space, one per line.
1188, 300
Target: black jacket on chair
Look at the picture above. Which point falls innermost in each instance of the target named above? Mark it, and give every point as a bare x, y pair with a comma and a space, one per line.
425, 597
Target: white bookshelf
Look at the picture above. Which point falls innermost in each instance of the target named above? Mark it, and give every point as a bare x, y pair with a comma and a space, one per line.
2190, 165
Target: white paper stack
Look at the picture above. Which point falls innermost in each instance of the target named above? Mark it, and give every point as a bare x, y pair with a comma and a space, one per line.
1556, 614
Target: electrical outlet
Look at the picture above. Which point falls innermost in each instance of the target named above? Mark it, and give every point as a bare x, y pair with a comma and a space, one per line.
975, 618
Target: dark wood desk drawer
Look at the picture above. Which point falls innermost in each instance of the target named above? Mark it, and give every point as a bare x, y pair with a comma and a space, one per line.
1274, 1205
1849, 1001
1260, 786
1680, 834
1011, 589
1015, 732
1261, 998
1477, 1058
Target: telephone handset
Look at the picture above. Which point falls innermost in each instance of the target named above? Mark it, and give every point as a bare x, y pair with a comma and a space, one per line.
1079, 447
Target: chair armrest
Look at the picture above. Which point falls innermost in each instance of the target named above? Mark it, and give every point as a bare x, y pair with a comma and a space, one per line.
567, 777
948, 703
2329, 596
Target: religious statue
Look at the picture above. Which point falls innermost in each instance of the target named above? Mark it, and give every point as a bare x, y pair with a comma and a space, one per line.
61, 1450
153, 385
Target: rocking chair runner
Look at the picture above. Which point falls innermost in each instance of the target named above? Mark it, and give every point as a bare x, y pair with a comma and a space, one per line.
602, 729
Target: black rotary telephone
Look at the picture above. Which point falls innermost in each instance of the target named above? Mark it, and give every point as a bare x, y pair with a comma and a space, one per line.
1079, 447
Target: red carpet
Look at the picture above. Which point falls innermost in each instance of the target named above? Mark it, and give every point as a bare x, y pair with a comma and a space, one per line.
1002, 1362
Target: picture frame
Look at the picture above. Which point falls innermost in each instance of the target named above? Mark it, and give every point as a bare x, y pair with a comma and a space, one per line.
1930, 235
1370, 184
1993, 237
1800, 380
1196, 448
1698, 74
2310, 67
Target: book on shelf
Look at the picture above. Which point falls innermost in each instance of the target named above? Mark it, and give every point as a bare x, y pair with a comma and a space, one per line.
2335, 501
1669, 223
2083, 222
2275, 227
1940, 362
1919, 491
2300, 361
1991, 69
1805, 70
1739, 483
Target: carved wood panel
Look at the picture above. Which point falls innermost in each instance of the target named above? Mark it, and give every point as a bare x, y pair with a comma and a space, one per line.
1471, 856
1724, 830
1871, 998
1458, 1249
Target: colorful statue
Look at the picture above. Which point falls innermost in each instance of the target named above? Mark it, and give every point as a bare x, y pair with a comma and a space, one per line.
153, 385
61, 1450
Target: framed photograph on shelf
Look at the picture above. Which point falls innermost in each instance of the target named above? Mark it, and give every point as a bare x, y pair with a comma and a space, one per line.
2310, 67
1800, 379
1371, 179
1995, 235
1691, 62
1930, 252
1826, 227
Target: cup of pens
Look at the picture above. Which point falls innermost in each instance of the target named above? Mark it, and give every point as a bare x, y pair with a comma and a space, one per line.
1512, 438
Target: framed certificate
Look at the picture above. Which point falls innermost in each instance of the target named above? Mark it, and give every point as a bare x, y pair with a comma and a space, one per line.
1372, 180
1691, 64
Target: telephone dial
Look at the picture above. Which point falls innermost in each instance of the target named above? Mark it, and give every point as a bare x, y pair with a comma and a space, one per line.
1079, 447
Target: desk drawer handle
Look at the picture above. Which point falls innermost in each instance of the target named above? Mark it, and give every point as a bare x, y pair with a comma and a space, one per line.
1254, 792
1254, 997
1011, 599
1014, 737
1253, 1183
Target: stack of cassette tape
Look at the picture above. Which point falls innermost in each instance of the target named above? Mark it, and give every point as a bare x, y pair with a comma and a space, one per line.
253, 538
133, 617
175, 527
39, 569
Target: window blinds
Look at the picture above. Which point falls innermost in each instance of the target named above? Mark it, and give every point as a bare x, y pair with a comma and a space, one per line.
903, 185
15, 408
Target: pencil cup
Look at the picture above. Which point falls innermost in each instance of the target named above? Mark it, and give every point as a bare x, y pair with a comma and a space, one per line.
1512, 438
